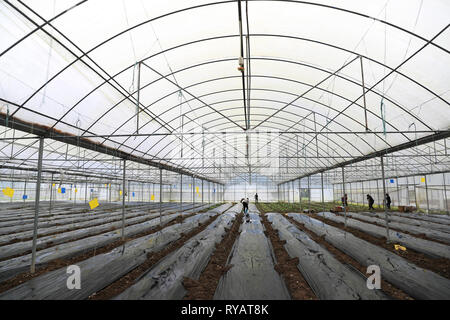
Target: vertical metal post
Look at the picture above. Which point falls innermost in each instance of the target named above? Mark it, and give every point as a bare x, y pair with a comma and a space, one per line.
160, 196
415, 193
85, 189
363, 195
202, 191
181, 191
36, 204
300, 191
123, 198
193, 192
323, 197
426, 192
293, 191
445, 193
384, 200
51, 195
398, 192
24, 190
343, 195
309, 194
378, 193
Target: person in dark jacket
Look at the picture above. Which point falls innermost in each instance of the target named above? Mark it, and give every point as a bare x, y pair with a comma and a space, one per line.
370, 201
344, 200
388, 201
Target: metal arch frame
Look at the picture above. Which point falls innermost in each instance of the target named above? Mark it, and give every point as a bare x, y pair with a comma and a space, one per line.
79, 58
343, 78
61, 154
220, 60
403, 146
298, 1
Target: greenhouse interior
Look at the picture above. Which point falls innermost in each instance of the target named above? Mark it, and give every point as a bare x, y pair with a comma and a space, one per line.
226, 150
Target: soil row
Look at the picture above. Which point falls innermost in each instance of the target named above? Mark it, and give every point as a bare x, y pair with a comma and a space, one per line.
440, 266
129, 279
60, 263
205, 287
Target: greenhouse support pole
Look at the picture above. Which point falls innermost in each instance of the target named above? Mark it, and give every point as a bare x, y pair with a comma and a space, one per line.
363, 196
343, 195
426, 192
323, 197
415, 194
445, 192
398, 192
128, 191
123, 199
160, 196
309, 194
202, 191
181, 191
300, 192
25, 190
193, 193
378, 193
51, 195
384, 200
36, 204
85, 190
293, 191
170, 192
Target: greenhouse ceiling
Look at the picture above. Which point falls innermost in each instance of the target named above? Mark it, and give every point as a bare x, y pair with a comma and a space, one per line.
226, 90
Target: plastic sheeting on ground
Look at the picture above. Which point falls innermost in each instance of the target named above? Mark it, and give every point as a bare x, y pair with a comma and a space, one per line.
252, 275
329, 278
419, 283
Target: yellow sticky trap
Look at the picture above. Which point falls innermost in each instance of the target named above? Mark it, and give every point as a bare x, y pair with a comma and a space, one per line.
120, 192
93, 203
397, 247
152, 197
189, 185
76, 190
8, 192
53, 185
422, 179
196, 189
59, 190
106, 185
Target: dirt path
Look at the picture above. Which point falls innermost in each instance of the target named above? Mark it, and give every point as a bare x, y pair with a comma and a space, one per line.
287, 266
388, 288
205, 287
439, 265
126, 281
60, 263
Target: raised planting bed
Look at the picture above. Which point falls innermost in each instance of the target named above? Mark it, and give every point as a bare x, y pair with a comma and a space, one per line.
329, 278
417, 282
252, 274
101, 270
431, 248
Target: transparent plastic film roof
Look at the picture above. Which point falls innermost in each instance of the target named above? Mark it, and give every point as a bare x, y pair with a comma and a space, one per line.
229, 88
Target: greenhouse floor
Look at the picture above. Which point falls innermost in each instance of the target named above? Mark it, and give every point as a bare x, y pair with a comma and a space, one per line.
213, 251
